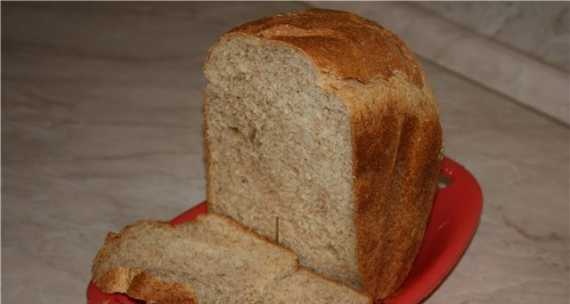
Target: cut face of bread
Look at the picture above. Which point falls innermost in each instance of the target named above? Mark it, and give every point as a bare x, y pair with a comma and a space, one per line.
209, 260
321, 134
280, 150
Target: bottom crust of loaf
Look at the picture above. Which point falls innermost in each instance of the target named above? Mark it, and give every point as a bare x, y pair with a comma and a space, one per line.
141, 285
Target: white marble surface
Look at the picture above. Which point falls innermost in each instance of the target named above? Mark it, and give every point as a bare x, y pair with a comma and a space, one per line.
102, 126
541, 29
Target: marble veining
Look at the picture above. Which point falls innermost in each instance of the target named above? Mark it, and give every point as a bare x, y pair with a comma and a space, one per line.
102, 126
541, 29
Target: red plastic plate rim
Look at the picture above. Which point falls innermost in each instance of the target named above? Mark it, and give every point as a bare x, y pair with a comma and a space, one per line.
453, 221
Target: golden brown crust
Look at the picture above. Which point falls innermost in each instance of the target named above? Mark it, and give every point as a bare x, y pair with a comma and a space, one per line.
340, 43
115, 280
396, 143
148, 288
141, 285
394, 195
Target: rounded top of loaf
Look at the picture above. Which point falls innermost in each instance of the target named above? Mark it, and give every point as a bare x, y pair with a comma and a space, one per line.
340, 43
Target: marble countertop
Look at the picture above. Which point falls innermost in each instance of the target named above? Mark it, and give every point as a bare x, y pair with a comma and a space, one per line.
102, 126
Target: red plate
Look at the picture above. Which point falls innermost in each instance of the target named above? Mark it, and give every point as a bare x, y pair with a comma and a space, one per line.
453, 221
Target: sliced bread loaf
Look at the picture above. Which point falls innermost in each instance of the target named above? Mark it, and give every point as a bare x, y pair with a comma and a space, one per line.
320, 128
209, 260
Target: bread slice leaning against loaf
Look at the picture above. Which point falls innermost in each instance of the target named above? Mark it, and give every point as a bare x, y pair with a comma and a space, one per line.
320, 128
209, 260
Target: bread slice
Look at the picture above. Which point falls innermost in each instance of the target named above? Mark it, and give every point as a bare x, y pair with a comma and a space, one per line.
209, 260
323, 122
306, 287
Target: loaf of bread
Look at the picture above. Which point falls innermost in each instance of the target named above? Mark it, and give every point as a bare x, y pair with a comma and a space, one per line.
321, 132
209, 260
